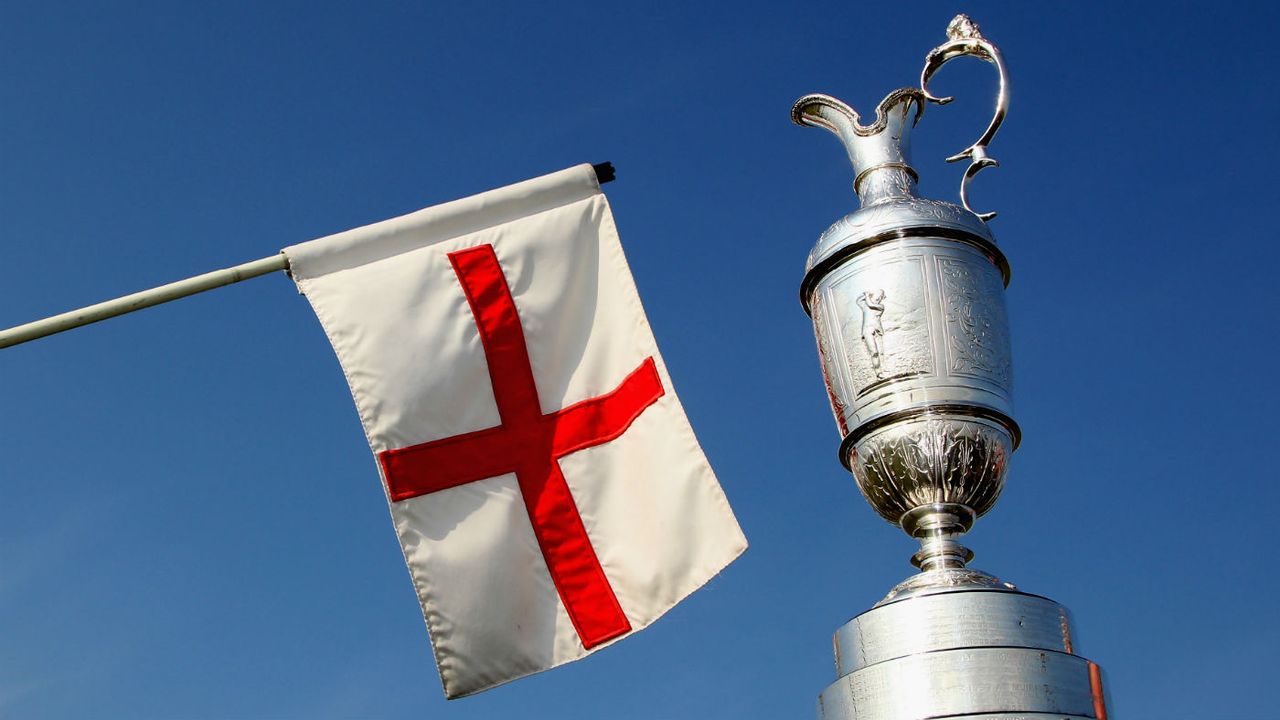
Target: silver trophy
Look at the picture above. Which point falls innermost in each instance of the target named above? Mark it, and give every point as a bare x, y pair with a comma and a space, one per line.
907, 301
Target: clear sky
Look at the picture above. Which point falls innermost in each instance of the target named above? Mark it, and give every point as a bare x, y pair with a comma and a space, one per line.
190, 519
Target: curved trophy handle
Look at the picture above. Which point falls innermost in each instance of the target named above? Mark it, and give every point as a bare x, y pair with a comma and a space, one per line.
967, 39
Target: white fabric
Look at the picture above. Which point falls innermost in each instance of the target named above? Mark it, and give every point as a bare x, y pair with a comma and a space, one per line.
395, 312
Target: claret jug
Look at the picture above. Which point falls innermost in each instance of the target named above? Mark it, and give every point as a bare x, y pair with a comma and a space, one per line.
907, 299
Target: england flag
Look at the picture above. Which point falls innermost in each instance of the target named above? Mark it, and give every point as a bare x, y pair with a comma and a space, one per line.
547, 490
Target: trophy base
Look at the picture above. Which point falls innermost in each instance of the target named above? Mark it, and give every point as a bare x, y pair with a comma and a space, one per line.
961, 644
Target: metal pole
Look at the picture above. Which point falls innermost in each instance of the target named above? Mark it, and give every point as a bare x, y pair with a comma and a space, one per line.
139, 300
174, 290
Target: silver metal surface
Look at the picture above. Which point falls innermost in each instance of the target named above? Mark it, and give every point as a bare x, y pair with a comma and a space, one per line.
961, 653
942, 580
911, 323
966, 619
139, 300
892, 218
979, 648
932, 458
907, 300
967, 39
961, 682
880, 146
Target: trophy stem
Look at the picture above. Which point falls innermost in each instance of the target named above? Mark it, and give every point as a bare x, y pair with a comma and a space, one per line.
936, 526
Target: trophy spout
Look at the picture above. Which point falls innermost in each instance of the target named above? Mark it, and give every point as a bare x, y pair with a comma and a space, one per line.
879, 151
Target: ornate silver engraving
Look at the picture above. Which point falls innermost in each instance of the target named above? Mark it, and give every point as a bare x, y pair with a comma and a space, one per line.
907, 300
932, 460
879, 321
872, 304
891, 215
869, 219
977, 330
942, 581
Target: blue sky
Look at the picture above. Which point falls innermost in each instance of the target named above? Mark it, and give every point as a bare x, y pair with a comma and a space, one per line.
190, 520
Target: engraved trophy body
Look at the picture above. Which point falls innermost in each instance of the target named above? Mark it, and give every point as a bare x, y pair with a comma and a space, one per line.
906, 296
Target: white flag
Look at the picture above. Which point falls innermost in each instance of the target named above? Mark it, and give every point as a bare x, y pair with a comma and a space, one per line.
548, 492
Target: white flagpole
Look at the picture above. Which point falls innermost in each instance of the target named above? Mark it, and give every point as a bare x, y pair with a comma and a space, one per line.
174, 290
139, 300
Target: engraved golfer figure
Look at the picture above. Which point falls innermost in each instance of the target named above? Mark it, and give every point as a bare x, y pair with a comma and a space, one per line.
872, 303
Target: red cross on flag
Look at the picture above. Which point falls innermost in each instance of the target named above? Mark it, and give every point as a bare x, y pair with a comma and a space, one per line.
548, 492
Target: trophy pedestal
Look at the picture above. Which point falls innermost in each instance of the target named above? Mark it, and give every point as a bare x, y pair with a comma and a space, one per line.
966, 650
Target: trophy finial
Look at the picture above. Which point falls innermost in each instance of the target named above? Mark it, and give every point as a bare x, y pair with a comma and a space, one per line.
964, 38
962, 28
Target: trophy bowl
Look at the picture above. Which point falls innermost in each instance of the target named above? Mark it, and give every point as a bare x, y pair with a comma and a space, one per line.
932, 460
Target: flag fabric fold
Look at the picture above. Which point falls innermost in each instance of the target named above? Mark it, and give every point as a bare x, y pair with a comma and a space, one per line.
545, 484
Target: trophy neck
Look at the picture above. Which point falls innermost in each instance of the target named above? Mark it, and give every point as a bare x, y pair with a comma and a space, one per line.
884, 183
